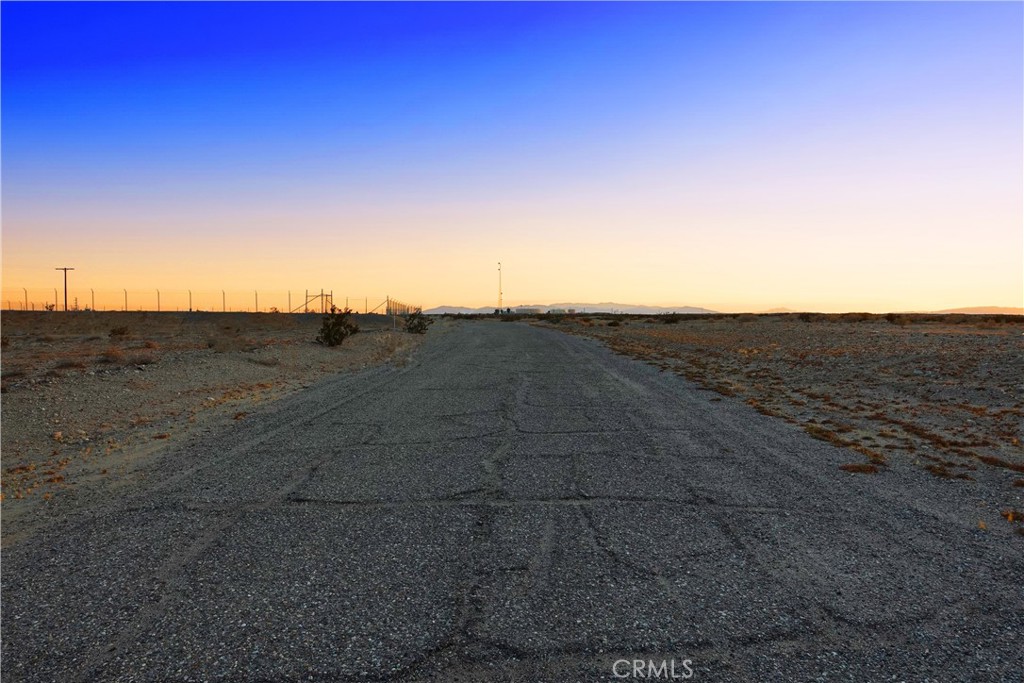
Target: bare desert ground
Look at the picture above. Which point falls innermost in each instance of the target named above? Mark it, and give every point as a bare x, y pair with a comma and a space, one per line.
945, 393
90, 398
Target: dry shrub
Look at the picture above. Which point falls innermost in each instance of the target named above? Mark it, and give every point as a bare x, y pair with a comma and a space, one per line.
269, 362
150, 344
859, 468
71, 364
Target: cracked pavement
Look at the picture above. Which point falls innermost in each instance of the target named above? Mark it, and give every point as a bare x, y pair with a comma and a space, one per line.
516, 504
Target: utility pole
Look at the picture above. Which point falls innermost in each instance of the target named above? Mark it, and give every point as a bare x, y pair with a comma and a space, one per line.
190, 301
158, 301
126, 300
223, 301
499, 286
92, 296
26, 297
65, 286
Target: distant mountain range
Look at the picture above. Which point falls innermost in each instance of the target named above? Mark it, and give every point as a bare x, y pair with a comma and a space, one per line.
606, 307
986, 310
611, 307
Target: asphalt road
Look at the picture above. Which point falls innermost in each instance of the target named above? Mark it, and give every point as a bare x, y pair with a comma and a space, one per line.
517, 505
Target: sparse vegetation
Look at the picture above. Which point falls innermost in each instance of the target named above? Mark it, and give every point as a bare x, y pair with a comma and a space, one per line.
120, 331
336, 327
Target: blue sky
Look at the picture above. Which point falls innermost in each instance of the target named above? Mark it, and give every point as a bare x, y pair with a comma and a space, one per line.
727, 133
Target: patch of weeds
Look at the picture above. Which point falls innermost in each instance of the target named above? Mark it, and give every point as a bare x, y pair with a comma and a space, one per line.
116, 332
822, 434
71, 364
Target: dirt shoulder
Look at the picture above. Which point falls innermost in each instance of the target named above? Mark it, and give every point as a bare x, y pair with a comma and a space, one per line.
945, 395
90, 400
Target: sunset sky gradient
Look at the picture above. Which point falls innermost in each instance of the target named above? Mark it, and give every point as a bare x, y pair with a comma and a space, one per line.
736, 156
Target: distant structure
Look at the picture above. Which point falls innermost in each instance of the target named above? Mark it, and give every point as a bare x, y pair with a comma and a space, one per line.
528, 311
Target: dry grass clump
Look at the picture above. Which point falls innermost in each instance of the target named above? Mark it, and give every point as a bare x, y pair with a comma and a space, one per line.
942, 471
999, 462
385, 345
71, 364
859, 468
234, 342
113, 355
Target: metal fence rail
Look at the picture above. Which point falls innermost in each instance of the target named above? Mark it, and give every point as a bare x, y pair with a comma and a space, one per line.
252, 301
